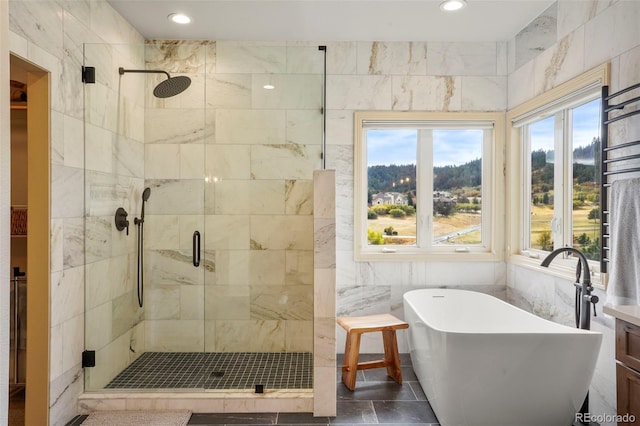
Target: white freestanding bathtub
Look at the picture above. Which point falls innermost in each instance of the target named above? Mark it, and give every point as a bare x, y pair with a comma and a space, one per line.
483, 362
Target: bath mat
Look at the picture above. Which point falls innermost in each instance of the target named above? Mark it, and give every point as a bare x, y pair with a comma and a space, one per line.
138, 418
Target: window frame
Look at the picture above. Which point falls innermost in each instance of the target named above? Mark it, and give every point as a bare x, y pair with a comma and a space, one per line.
518, 190
492, 186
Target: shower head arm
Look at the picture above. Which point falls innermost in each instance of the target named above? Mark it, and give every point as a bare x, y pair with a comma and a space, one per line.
121, 71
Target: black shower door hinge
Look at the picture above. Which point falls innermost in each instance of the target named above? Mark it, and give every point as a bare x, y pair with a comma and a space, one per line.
88, 74
88, 359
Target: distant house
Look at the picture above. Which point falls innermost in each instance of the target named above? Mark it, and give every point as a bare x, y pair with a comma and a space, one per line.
388, 198
443, 197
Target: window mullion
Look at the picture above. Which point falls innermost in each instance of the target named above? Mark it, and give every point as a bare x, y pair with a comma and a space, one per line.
558, 222
425, 189
568, 179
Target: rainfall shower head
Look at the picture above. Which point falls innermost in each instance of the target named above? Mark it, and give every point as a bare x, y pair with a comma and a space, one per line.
167, 88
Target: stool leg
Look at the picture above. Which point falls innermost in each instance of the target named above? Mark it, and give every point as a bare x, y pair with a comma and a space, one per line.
391, 356
350, 363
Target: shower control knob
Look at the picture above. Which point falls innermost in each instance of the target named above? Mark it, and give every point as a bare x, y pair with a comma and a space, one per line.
121, 220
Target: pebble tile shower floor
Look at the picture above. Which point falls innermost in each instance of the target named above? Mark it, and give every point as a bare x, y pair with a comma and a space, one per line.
217, 370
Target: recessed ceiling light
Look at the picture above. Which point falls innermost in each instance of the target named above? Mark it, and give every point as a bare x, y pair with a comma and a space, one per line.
179, 18
452, 5
269, 86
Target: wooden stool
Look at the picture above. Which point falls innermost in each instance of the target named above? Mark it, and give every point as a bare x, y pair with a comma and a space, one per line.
355, 326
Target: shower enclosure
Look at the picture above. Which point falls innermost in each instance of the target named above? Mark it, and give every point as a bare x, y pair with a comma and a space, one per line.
227, 259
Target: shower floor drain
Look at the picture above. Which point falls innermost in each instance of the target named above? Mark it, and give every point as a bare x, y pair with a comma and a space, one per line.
217, 370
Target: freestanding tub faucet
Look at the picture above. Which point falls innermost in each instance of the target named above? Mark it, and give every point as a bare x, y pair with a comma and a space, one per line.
583, 300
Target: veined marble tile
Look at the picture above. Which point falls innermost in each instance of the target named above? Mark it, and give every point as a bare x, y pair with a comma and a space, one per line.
298, 197
56, 138
74, 242
540, 34
284, 161
80, 9
227, 162
520, 85
229, 91
174, 335
97, 286
66, 191
228, 302
102, 106
75, 35
250, 336
560, 63
299, 267
162, 161
324, 299
170, 267
162, 232
340, 159
281, 232
250, 126
98, 323
55, 352
291, 91
187, 225
64, 391
192, 161
192, 300
73, 341
40, 22
484, 93
99, 149
359, 92
629, 73
162, 302
611, 32
456, 58
100, 55
342, 57
441, 93
305, 60
227, 232
339, 127
177, 56
298, 336
397, 58
175, 196
125, 314
56, 244
73, 142
98, 238
233, 197
232, 57
67, 295
174, 125
304, 127
282, 302
363, 300
325, 243
111, 26
266, 197
231, 267
325, 339
128, 157
267, 267
324, 387
573, 14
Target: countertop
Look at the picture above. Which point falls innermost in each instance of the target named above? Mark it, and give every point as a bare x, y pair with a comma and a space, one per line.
628, 313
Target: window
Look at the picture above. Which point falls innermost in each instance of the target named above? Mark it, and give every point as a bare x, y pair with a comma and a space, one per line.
554, 174
425, 184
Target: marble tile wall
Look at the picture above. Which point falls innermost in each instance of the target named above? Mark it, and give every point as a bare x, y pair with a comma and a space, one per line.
324, 298
235, 162
432, 76
587, 34
52, 35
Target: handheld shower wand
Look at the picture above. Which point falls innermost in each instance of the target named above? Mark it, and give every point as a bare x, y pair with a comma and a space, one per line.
140, 224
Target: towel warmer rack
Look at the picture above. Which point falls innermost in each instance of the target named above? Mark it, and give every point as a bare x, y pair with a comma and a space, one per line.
613, 161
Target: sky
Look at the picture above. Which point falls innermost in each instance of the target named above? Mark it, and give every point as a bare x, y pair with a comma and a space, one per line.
398, 146
455, 147
586, 126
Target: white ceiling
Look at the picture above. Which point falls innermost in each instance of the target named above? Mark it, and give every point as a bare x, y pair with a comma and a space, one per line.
331, 20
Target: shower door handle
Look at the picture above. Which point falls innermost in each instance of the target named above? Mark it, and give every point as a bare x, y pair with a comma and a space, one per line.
196, 249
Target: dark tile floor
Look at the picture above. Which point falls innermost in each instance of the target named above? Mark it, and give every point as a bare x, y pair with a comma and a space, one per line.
377, 399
